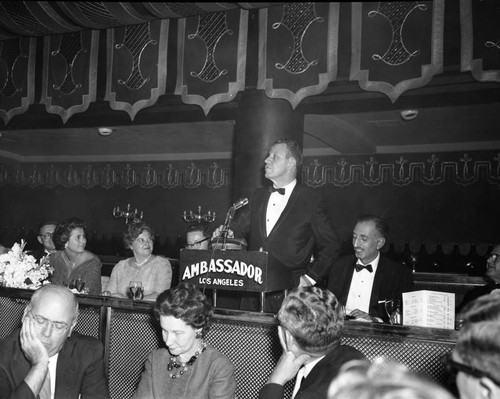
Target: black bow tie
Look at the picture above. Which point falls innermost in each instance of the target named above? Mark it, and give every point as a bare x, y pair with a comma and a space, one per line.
279, 190
361, 267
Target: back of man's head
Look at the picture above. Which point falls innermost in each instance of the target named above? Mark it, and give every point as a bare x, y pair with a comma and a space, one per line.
478, 346
313, 317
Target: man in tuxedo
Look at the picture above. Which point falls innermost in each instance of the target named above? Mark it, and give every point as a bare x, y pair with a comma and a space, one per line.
46, 358
289, 221
365, 280
311, 328
45, 231
492, 273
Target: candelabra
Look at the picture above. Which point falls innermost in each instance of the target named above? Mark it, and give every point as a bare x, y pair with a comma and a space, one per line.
127, 214
191, 216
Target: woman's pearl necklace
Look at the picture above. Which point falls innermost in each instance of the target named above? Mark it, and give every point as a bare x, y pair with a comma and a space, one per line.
143, 262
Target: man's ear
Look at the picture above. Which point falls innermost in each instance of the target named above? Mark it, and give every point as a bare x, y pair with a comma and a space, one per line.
39, 239
380, 242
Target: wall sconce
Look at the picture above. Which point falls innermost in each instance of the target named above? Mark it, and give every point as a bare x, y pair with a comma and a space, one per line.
191, 216
127, 214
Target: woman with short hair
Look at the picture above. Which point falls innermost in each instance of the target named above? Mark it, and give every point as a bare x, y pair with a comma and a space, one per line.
188, 367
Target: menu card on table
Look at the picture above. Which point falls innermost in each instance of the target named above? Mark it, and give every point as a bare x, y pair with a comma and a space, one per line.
426, 308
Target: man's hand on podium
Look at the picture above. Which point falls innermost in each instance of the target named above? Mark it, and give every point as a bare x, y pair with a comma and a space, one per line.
217, 232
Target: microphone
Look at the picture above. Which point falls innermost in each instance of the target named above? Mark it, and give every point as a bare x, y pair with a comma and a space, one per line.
240, 203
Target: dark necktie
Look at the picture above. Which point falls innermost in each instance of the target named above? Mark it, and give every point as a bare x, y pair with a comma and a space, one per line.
279, 190
361, 267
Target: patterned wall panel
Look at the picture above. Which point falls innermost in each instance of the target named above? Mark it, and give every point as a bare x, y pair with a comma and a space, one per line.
480, 39
298, 49
137, 55
211, 58
17, 76
70, 72
407, 56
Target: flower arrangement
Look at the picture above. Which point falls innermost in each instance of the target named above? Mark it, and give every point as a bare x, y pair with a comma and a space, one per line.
18, 269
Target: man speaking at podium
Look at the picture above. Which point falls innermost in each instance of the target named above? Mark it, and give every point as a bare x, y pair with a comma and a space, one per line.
288, 221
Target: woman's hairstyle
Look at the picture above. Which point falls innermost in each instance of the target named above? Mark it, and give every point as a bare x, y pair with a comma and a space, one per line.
187, 303
63, 231
383, 379
314, 317
134, 230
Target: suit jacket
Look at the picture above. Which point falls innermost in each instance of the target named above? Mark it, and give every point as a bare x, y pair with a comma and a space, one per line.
303, 226
391, 280
476, 293
80, 369
318, 380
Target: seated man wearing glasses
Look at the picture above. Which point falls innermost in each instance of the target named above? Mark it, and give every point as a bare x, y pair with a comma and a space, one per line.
198, 236
46, 358
476, 358
45, 231
492, 273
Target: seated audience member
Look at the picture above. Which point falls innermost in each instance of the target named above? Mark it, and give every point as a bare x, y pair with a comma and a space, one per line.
311, 328
198, 236
45, 232
383, 379
492, 273
188, 367
46, 356
364, 280
476, 357
153, 271
484, 308
72, 261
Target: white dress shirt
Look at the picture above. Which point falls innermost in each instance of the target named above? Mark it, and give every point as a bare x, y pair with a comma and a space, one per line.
360, 290
277, 202
52, 371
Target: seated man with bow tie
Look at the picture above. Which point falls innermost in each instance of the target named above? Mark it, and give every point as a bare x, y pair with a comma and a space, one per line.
311, 328
363, 281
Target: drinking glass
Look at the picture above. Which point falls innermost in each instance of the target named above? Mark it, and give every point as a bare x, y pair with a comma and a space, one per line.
135, 290
393, 310
80, 283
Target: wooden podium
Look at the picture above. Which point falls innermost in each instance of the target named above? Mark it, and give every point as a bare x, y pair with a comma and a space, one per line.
229, 270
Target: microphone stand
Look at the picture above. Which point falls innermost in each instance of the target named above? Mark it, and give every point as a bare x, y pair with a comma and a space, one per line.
225, 227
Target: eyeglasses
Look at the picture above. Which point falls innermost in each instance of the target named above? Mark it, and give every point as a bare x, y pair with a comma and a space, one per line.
46, 236
453, 367
191, 245
141, 240
494, 256
59, 326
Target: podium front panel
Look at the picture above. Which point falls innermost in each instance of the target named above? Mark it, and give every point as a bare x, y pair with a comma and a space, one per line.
226, 270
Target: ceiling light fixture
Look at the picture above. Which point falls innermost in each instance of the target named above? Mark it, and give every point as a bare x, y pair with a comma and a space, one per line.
409, 114
104, 131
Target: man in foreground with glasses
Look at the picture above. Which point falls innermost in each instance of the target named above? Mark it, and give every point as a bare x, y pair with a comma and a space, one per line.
46, 359
492, 273
45, 231
476, 358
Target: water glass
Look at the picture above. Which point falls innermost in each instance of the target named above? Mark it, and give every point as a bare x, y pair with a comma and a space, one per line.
135, 290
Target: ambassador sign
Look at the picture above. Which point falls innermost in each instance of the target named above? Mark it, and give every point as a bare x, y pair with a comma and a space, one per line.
229, 266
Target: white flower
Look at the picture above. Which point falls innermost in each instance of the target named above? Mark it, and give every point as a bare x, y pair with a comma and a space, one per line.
18, 269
